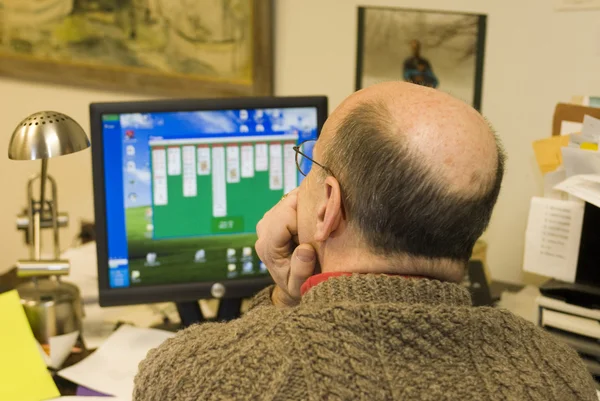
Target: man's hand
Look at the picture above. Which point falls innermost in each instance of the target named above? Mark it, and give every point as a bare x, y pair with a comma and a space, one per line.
289, 265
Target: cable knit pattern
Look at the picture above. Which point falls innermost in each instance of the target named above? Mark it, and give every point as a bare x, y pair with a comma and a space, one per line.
366, 337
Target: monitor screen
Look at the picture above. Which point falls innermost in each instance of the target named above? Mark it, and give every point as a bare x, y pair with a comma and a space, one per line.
184, 189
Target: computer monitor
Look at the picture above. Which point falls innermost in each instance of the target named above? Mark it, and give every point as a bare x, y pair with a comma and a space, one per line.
179, 186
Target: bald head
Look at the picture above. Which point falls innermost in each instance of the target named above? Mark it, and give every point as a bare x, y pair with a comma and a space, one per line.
419, 169
450, 138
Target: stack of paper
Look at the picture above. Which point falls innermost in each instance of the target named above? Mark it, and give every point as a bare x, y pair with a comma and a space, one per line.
571, 166
576, 151
22, 369
112, 368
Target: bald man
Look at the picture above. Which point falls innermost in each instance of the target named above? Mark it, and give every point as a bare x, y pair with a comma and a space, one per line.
368, 306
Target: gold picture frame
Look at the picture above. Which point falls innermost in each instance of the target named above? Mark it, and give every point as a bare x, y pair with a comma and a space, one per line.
184, 53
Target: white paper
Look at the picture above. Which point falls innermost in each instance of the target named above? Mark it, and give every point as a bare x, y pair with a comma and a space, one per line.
570, 127
99, 323
552, 238
590, 133
60, 348
552, 179
580, 161
218, 182
585, 187
174, 161
112, 368
190, 187
262, 157
591, 128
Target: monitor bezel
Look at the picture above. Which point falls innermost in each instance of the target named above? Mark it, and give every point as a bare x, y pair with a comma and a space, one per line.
239, 288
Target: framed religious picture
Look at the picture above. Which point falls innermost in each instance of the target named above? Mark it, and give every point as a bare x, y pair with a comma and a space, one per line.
439, 49
210, 48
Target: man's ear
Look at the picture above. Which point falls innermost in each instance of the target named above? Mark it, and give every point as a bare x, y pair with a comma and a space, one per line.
330, 212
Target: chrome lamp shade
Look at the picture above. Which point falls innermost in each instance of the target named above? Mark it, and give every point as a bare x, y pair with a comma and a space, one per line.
45, 135
41, 136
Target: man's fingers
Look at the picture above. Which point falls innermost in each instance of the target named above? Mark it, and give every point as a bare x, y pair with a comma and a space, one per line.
302, 266
290, 199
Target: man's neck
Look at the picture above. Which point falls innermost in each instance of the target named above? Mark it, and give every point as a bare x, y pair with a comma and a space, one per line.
336, 257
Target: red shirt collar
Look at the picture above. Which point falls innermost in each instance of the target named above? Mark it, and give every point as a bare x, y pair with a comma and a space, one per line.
322, 277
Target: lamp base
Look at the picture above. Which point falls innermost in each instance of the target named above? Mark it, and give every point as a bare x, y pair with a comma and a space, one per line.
29, 268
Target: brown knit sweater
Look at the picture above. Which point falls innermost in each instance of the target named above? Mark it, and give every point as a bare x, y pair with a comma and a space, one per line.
366, 337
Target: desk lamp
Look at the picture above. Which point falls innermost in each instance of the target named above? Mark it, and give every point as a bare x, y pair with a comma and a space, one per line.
53, 307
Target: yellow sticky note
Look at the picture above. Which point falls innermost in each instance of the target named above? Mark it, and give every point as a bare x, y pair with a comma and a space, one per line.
547, 152
589, 146
22, 370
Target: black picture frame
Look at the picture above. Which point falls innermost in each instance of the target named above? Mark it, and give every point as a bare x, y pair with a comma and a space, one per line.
479, 47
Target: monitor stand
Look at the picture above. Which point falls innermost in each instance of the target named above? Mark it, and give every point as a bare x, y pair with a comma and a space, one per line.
229, 309
190, 313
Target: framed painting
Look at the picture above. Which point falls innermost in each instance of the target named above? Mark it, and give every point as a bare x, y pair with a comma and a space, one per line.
443, 50
212, 48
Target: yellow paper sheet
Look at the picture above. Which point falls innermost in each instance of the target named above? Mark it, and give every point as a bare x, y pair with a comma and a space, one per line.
547, 152
23, 372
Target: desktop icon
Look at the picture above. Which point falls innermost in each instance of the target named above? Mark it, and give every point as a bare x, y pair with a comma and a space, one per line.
132, 197
230, 253
263, 267
247, 252
260, 128
244, 128
149, 227
135, 276
129, 134
200, 256
131, 166
243, 115
248, 268
130, 150
151, 259
231, 267
258, 115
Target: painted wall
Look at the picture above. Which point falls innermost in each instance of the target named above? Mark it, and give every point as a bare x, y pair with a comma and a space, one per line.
535, 57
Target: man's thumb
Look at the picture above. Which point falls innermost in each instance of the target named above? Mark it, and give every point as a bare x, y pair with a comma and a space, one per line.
302, 266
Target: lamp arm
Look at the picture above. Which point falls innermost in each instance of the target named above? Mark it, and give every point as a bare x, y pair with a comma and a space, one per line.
43, 178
